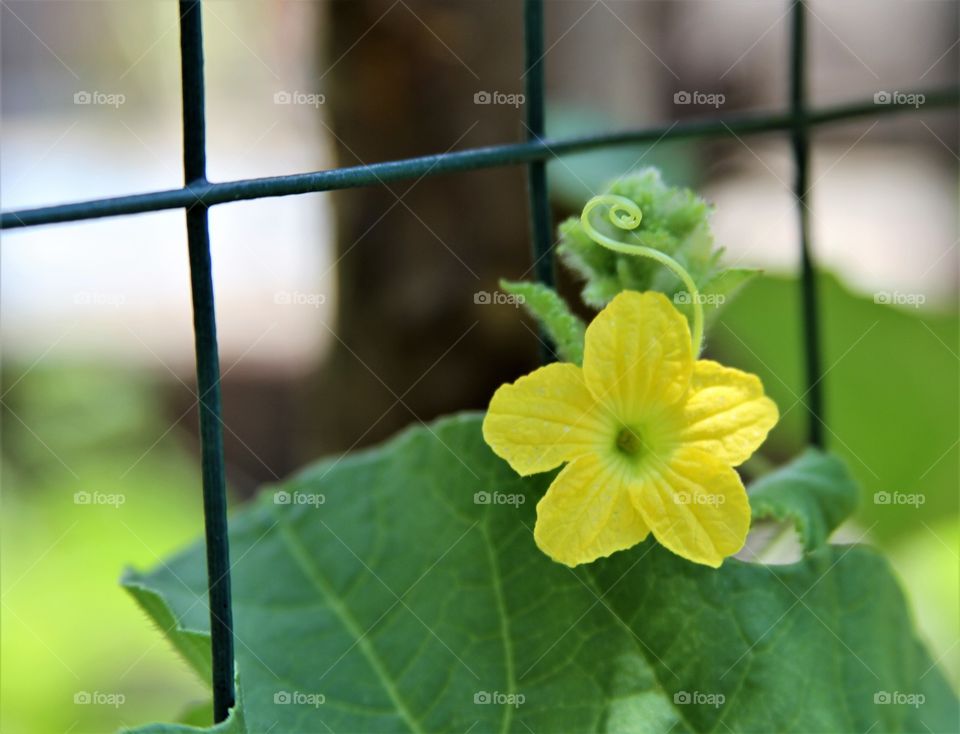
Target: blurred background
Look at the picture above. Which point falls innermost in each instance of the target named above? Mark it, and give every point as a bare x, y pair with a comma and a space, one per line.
347, 315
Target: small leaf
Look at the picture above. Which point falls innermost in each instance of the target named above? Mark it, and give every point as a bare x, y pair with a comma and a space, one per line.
190, 722
193, 644
814, 491
564, 328
198, 715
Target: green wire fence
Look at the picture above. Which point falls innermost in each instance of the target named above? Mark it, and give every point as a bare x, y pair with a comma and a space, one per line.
198, 194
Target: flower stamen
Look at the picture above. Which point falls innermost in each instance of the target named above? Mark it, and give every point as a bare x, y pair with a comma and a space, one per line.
630, 442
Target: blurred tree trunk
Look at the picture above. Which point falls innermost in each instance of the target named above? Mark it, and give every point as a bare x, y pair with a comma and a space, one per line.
411, 343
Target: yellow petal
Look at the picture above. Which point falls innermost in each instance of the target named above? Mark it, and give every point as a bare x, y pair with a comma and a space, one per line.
695, 505
544, 419
637, 355
726, 412
587, 513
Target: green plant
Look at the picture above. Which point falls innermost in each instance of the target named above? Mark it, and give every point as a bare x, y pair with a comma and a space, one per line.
401, 589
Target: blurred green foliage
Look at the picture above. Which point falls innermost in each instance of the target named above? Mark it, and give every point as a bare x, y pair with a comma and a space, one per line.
892, 390
891, 383
68, 629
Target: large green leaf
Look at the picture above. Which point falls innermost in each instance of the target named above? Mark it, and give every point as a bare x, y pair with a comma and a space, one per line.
403, 585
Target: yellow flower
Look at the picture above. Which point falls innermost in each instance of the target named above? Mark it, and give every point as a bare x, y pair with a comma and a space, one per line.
650, 434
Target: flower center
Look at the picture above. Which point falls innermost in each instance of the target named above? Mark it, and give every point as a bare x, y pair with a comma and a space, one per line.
629, 442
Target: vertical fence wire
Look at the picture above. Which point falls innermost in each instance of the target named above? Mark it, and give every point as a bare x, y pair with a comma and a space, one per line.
208, 362
540, 225
800, 137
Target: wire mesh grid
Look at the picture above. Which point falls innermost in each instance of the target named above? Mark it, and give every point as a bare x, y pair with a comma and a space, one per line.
198, 194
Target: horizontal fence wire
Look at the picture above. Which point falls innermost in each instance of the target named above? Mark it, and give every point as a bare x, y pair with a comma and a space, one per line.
509, 154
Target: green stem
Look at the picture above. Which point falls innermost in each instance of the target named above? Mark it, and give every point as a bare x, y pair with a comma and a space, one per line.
626, 215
